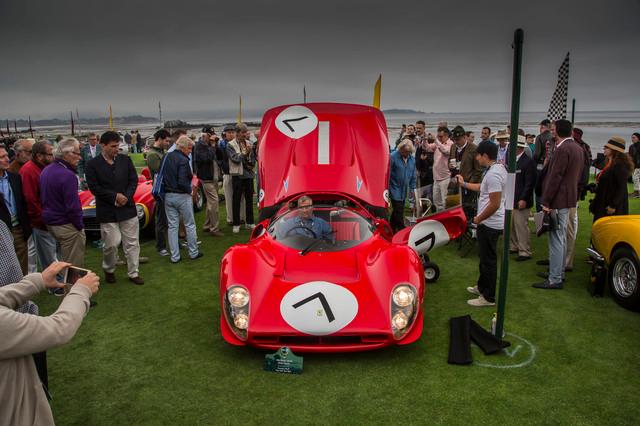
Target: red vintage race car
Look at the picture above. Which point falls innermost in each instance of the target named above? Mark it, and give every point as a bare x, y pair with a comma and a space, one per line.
345, 283
145, 203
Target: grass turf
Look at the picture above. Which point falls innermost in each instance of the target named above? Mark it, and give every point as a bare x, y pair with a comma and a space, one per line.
153, 354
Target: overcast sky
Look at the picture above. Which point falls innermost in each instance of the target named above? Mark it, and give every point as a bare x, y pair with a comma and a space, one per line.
198, 56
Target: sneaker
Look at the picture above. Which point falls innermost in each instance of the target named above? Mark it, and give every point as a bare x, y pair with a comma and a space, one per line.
163, 252
250, 226
474, 290
236, 229
198, 256
480, 302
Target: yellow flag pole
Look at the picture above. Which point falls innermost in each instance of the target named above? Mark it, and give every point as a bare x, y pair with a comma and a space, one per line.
110, 118
377, 91
240, 111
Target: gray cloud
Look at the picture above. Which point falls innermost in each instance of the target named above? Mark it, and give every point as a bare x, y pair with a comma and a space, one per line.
200, 55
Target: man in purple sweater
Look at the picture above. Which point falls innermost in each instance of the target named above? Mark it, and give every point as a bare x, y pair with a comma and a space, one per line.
61, 209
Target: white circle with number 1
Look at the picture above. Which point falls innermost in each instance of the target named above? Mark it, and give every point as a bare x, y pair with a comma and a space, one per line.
319, 308
296, 121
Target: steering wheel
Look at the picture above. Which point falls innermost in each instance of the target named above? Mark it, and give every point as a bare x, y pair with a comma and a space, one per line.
288, 233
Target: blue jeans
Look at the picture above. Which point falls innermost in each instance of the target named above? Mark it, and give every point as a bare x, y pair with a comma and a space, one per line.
176, 206
45, 247
558, 247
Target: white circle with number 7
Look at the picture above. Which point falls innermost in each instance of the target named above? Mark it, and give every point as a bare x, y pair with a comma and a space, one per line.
319, 308
296, 121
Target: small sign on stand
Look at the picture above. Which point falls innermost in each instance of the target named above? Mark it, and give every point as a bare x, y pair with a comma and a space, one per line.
283, 361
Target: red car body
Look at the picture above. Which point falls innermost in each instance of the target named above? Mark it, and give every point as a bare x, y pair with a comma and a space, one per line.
360, 289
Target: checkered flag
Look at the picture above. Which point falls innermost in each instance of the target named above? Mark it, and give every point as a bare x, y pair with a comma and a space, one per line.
558, 104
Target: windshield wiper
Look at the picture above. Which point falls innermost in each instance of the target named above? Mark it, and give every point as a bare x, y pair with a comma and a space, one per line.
308, 248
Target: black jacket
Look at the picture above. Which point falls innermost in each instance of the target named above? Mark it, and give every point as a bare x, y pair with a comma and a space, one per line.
204, 157
525, 180
611, 192
177, 173
105, 181
21, 207
424, 167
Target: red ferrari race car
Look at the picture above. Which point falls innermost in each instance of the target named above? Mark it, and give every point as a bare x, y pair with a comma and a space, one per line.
345, 283
145, 203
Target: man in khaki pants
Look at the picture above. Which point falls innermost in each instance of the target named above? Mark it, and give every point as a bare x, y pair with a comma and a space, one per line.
61, 209
112, 179
522, 202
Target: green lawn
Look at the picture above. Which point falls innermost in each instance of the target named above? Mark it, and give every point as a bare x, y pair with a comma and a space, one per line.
154, 355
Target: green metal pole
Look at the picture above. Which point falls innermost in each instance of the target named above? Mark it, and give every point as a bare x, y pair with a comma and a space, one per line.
573, 111
513, 143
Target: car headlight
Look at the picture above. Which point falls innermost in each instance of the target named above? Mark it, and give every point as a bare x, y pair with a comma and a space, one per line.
140, 211
238, 297
404, 303
236, 310
403, 296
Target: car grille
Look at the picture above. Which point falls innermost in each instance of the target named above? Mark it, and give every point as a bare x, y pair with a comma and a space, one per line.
321, 340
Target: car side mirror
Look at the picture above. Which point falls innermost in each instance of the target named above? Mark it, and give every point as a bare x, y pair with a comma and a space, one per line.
384, 228
259, 230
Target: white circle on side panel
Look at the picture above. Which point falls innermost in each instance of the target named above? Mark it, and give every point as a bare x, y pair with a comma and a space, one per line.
319, 308
385, 195
296, 121
261, 195
426, 235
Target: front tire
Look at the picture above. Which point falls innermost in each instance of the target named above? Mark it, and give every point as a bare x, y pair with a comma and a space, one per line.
431, 272
624, 278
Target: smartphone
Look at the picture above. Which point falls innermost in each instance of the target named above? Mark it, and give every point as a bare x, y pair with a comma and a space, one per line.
71, 275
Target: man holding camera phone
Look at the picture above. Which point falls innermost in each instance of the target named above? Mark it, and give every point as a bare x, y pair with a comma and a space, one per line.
23, 398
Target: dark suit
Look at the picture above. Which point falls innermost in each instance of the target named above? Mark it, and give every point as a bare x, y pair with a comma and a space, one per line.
22, 231
560, 187
105, 181
21, 207
525, 181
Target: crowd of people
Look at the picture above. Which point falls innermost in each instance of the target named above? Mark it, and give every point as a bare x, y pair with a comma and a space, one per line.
41, 226
552, 174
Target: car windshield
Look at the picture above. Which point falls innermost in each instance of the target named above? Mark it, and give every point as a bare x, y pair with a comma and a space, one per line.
321, 228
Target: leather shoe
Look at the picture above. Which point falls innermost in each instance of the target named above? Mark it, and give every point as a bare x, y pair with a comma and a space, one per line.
136, 280
522, 258
216, 234
545, 275
546, 285
543, 262
110, 277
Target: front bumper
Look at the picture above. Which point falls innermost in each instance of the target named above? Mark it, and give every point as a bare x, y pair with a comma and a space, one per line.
304, 343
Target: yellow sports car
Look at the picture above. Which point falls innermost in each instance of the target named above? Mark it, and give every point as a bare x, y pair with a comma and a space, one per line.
615, 249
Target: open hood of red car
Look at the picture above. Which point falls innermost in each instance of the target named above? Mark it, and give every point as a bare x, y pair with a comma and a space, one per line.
324, 147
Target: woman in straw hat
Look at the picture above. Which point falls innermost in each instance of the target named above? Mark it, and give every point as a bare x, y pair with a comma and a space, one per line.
611, 190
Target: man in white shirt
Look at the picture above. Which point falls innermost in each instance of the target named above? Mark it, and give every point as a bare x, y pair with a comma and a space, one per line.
490, 221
